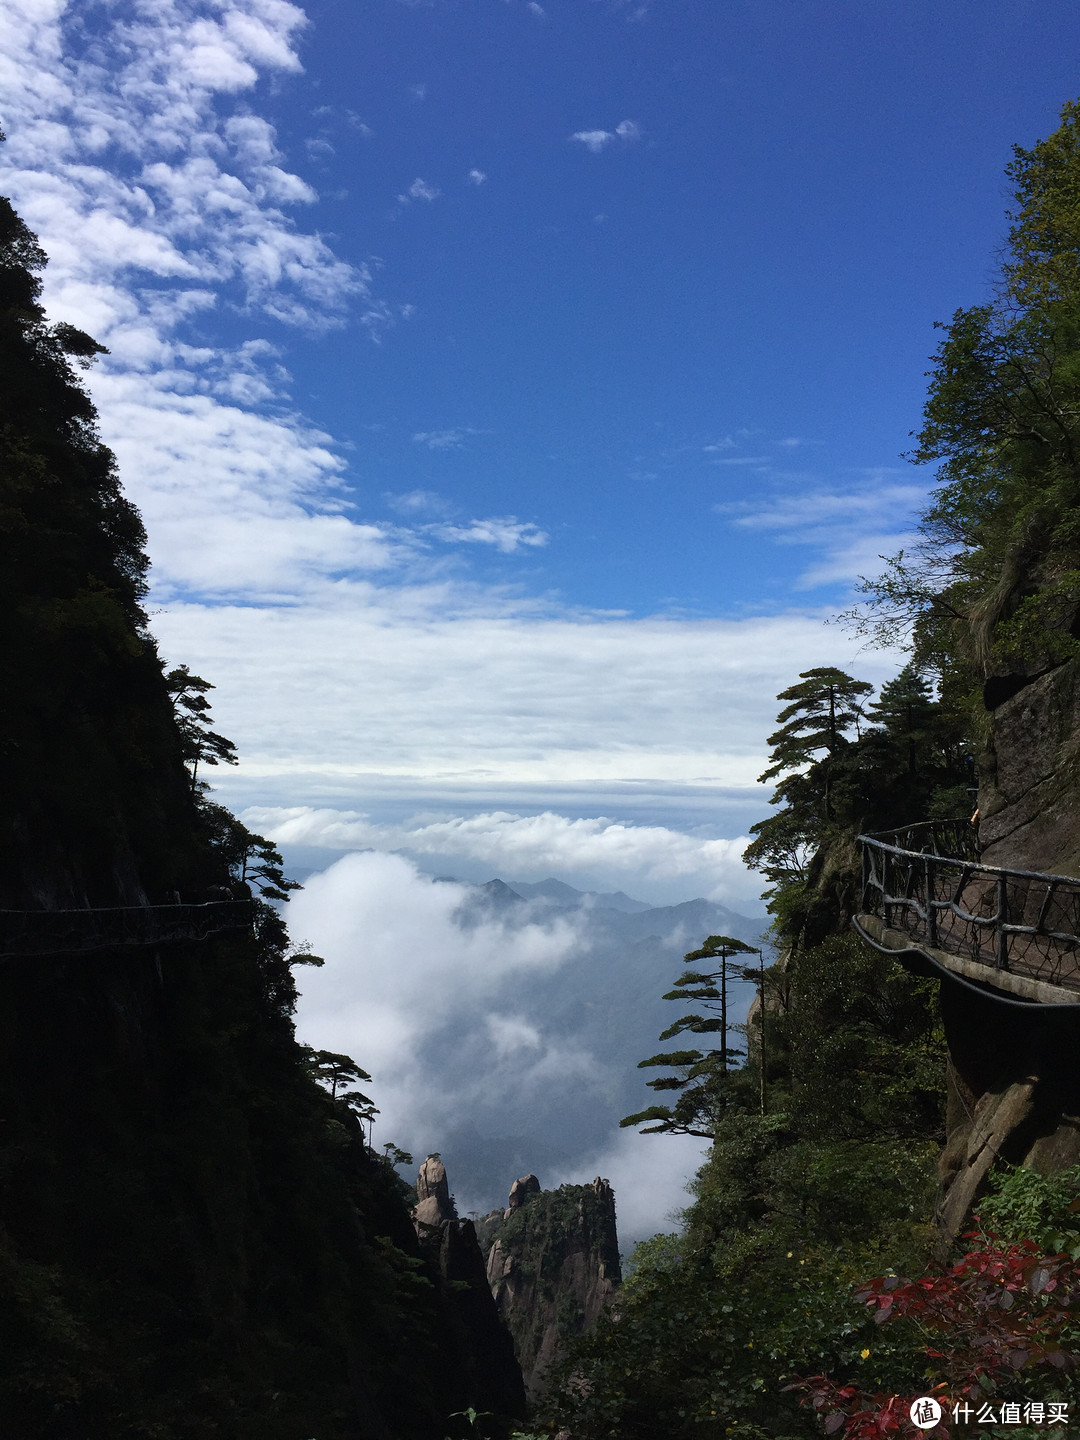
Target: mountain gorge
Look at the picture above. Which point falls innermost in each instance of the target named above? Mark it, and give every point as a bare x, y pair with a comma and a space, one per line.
534, 1070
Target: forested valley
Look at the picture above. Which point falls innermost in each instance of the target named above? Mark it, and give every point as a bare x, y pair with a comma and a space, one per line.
196, 1238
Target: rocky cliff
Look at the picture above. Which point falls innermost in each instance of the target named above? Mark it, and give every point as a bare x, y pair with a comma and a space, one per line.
553, 1264
1014, 1075
1029, 794
471, 1321
195, 1238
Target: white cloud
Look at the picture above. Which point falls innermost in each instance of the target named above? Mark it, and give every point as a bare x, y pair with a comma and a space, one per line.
452, 439
507, 534
849, 527
448, 694
477, 177
190, 215
414, 502
537, 10
241, 497
525, 845
350, 655
400, 965
425, 990
593, 140
511, 1034
597, 140
420, 190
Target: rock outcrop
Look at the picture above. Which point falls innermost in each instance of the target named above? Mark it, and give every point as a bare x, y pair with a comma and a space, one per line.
434, 1206
553, 1265
1029, 794
522, 1188
470, 1320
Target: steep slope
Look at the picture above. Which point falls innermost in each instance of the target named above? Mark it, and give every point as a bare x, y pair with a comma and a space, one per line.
553, 1266
194, 1238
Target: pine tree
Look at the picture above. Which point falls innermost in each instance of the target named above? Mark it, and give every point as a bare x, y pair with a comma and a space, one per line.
702, 1073
822, 710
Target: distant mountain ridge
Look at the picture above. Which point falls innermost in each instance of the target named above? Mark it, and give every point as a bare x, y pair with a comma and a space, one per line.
554, 1104
564, 894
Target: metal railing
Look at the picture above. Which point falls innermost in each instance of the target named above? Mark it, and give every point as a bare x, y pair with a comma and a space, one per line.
64, 932
1020, 921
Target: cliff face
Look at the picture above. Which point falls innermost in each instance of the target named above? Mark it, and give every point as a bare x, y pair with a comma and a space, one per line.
194, 1238
553, 1265
470, 1321
1029, 796
1014, 1077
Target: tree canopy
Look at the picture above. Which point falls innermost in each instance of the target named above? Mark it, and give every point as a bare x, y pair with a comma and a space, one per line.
995, 575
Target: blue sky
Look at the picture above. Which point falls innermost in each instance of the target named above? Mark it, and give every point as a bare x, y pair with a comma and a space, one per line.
512, 391
730, 304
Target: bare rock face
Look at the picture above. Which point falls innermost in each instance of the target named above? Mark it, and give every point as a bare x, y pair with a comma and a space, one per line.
520, 1191
1014, 1075
471, 1322
1029, 797
552, 1267
433, 1203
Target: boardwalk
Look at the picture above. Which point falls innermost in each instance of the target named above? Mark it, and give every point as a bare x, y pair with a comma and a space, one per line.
68, 932
1018, 931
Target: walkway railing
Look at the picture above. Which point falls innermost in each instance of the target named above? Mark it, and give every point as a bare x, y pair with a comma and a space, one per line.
65, 932
926, 881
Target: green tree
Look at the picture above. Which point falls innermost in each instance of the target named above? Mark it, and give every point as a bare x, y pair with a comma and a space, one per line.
905, 711
995, 575
192, 709
251, 859
336, 1072
822, 710
702, 1074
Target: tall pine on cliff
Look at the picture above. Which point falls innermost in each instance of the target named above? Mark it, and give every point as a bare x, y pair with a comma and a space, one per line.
194, 1238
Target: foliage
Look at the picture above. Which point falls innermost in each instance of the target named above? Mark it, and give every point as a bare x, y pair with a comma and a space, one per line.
914, 750
790, 1209
192, 711
837, 1175
196, 1240
1000, 1311
337, 1071
542, 1240
1044, 1209
702, 1074
823, 708
250, 860
90, 762
995, 576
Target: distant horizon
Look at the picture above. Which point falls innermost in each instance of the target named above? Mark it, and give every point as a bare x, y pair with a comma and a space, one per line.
315, 861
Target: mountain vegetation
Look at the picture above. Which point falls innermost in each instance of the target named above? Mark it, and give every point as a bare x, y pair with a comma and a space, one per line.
196, 1239
781, 1307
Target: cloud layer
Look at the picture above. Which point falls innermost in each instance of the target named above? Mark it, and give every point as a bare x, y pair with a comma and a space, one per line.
530, 846
459, 1014
353, 657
